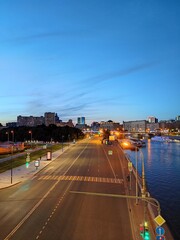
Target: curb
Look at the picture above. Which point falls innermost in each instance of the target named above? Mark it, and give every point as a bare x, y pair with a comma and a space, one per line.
35, 173
12, 185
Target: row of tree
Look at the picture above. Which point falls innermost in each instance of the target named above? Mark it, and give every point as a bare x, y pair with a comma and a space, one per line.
40, 133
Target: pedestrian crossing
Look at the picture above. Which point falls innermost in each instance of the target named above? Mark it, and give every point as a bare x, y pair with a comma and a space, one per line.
82, 179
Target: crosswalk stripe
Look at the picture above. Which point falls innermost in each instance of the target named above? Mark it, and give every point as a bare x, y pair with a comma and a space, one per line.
82, 179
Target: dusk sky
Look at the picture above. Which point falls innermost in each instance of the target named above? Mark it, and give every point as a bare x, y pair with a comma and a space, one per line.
101, 59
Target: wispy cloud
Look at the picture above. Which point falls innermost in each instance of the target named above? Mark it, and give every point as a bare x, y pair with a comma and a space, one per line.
121, 73
44, 35
72, 102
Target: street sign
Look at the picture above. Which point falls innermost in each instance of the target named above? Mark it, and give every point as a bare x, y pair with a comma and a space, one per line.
130, 166
159, 220
160, 231
160, 237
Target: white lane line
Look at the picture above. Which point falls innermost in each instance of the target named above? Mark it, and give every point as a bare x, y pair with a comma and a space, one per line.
110, 164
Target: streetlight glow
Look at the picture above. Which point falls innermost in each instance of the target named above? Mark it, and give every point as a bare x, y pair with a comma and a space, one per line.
30, 132
12, 132
7, 136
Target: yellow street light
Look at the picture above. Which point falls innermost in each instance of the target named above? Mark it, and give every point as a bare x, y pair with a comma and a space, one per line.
7, 136
12, 132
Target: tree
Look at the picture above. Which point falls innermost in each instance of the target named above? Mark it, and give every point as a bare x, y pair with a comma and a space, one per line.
42, 133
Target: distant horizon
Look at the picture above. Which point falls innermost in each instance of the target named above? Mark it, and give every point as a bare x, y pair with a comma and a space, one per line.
88, 122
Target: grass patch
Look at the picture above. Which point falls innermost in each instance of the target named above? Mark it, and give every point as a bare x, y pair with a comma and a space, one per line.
21, 160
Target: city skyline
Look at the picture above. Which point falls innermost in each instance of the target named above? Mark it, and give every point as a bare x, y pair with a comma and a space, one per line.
38, 120
103, 60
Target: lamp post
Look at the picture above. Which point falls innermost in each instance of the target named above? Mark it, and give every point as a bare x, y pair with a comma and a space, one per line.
143, 190
62, 142
143, 176
12, 148
136, 177
7, 136
30, 132
12, 132
69, 139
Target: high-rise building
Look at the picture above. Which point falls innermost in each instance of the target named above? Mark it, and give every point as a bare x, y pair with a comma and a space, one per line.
49, 118
81, 123
178, 118
81, 120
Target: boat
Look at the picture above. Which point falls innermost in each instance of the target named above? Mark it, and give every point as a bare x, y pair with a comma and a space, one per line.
161, 139
127, 144
137, 142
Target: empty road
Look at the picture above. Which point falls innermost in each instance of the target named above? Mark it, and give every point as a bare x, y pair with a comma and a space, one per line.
73, 198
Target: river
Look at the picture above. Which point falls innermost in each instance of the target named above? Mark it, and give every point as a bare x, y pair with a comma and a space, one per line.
162, 170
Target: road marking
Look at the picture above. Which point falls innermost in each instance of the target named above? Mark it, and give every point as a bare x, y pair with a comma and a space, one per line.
109, 163
84, 179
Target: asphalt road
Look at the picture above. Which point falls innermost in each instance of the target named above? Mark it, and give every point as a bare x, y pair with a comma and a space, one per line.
71, 199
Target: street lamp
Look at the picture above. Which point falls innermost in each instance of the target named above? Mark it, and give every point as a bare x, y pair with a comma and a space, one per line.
62, 142
30, 132
7, 136
12, 132
143, 176
143, 190
12, 148
69, 138
136, 177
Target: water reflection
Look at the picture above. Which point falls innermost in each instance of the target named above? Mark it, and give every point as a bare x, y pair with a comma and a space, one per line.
162, 168
149, 152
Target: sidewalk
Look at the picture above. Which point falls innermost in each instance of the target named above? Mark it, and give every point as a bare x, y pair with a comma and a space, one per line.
22, 173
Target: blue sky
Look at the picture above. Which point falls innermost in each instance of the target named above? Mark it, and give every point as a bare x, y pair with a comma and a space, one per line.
102, 59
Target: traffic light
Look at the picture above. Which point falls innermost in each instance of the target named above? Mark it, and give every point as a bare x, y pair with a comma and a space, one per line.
27, 160
146, 232
27, 164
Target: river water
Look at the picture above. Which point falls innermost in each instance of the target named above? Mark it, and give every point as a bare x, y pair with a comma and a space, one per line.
162, 170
